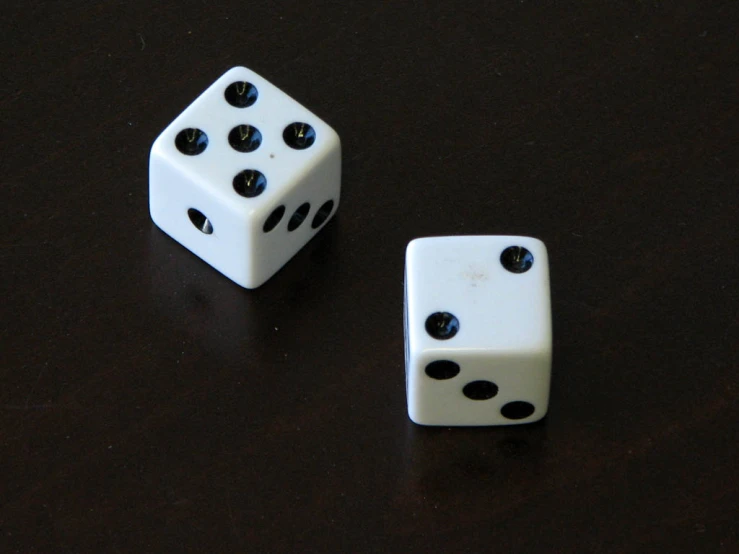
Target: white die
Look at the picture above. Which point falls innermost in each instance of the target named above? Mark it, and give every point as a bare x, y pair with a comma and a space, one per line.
246, 212
478, 336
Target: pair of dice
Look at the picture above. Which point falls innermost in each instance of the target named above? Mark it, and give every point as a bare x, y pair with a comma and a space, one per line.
246, 176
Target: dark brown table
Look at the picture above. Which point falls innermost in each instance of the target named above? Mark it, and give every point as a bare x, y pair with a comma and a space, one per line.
151, 405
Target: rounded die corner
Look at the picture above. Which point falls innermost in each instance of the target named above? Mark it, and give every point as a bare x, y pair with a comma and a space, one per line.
534, 244
415, 245
249, 284
540, 244
332, 138
158, 147
239, 70
333, 143
410, 248
537, 416
236, 68
416, 416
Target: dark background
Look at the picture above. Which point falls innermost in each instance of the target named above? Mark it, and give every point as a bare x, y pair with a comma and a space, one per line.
151, 405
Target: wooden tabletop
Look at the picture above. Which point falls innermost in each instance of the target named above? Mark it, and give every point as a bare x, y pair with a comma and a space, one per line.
151, 405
